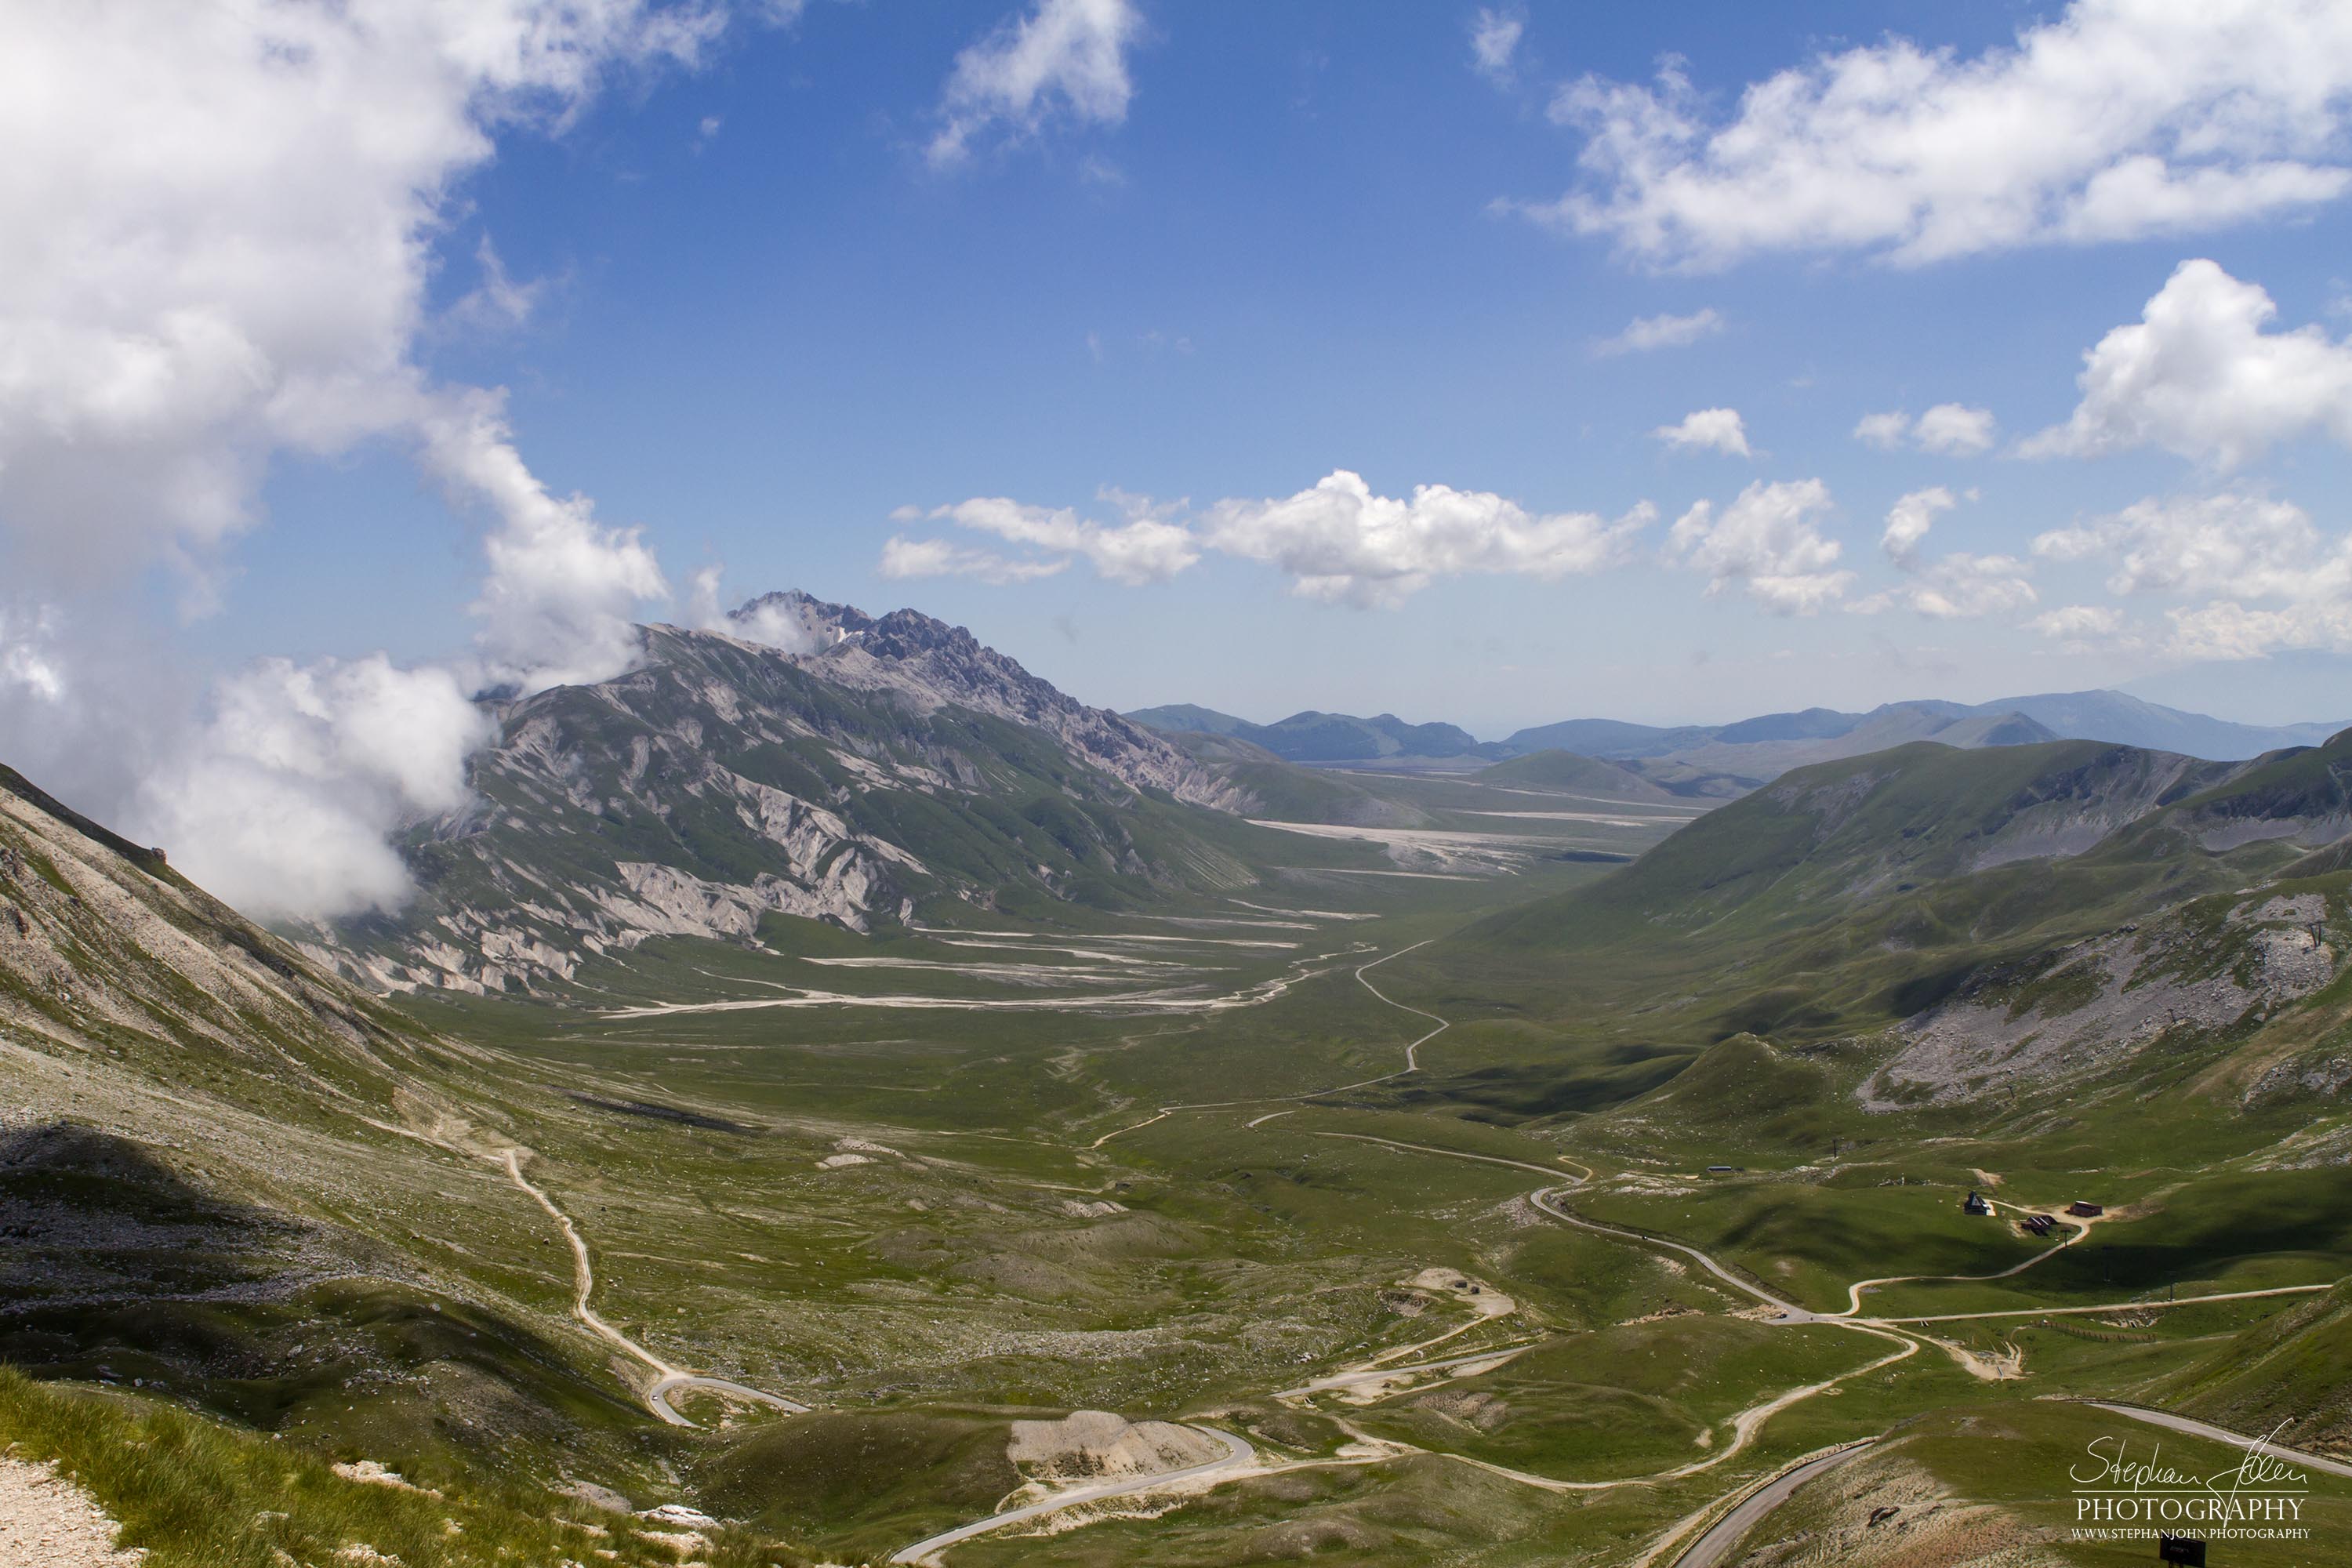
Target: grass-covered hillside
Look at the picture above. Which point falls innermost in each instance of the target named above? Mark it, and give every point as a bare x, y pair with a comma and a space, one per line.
248, 1204
1570, 773
1823, 841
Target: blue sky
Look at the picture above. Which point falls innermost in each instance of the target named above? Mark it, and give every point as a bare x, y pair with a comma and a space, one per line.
333, 312
1282, 262
757, 340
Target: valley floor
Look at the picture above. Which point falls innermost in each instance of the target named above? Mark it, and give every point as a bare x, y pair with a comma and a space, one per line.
1223, 1234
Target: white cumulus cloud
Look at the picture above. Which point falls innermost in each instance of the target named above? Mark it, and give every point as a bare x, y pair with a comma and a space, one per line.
281, 803
759, 621
1148, 548
1767, 545
2230, 543
1340, 542
2227, 629
1949, 429
1666, 330
214, 237
2258, 573
1954, 430
1908, 521
904, 557
30, 670
2115, 119
2078, 623
1065, 58
1337, 541
559, 601
1960, 586
1708, 429
1885, 431
2198, 376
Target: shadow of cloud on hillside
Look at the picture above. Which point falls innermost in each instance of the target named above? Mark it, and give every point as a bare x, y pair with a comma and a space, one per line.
115, 1269
92, 1218
652, 1110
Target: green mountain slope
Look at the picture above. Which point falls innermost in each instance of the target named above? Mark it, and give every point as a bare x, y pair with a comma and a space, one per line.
1570, 773
1190, 718
901, 772
1825, 840
2290, 1376
231, 1178
1316, 736
2026, 914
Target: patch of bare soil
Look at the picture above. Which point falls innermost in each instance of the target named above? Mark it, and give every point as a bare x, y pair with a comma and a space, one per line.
1483, 1299
1484, 1410
46, 1521
1882, 1513
1088, 1445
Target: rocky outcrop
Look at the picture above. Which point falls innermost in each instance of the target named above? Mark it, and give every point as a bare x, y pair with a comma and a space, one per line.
933, 664
2092, 1008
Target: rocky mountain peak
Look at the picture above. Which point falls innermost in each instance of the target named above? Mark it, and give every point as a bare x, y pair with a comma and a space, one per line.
931, 664
797, 622
790, 761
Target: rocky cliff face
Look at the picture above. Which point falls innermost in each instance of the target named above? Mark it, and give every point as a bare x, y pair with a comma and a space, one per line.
931, 665
2215, 970
826, 764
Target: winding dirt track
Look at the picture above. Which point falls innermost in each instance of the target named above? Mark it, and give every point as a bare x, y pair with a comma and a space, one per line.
1724, 1532
1745, 1424
667, 1379
1412, 1065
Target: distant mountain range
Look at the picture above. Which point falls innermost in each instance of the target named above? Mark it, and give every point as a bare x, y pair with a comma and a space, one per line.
1754, 749
1312, 737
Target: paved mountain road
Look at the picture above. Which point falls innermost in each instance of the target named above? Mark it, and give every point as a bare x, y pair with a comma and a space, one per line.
2114, 1307
2203, 1429
1725, 1533
1711, 1550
